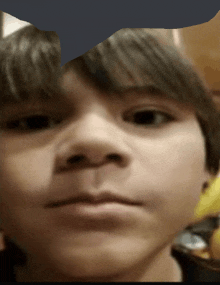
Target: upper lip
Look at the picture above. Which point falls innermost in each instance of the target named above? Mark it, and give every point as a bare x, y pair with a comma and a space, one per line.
104, 197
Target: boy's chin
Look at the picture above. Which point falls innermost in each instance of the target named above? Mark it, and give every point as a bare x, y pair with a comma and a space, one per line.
108, 261
98, 262
90, 268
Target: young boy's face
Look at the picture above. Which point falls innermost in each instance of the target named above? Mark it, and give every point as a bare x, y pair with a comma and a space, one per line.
143, 148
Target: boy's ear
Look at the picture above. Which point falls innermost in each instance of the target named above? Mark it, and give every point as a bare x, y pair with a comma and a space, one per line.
209, 178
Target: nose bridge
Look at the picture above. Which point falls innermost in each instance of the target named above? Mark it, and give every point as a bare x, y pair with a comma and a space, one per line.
96, 136
96, 127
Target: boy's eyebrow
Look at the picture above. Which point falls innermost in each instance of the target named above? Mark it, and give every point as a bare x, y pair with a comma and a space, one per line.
11, 101
151, 90
122, 92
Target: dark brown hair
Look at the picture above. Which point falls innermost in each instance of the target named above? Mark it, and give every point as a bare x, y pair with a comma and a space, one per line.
30, 62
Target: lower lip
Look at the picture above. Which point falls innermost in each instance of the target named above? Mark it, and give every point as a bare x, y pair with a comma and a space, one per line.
101, 211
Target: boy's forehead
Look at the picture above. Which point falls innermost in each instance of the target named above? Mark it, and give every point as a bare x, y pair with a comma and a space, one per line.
76, 85
75, 82
75, 76
76, 79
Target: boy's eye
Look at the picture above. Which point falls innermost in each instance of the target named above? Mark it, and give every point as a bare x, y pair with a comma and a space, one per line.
32, 123
151, 118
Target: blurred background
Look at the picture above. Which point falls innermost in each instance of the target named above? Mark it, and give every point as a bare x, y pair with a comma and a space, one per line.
200, 43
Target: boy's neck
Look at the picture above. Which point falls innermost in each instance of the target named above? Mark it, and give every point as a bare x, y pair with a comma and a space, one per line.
164, 269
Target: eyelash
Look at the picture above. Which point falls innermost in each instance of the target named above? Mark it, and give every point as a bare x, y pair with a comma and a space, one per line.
143, 118
26, 124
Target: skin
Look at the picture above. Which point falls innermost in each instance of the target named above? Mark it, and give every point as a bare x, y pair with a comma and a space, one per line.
161, 165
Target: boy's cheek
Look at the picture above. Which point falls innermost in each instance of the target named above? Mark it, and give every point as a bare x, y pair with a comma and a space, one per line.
25, 175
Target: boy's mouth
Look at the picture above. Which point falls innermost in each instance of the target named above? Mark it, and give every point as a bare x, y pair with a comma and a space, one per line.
96, 210
101, 198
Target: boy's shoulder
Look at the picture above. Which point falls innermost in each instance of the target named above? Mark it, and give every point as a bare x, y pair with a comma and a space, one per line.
194, 270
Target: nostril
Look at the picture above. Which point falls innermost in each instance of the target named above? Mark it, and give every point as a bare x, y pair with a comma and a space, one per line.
114, 157
81, 158
75, 159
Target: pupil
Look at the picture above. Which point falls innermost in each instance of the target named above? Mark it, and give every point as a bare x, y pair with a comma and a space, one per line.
37, 122
144, 117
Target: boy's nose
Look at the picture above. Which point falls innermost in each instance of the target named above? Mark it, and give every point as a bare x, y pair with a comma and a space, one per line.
93, 143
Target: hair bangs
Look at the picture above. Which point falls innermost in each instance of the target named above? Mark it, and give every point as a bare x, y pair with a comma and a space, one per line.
30, 65
138, 58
